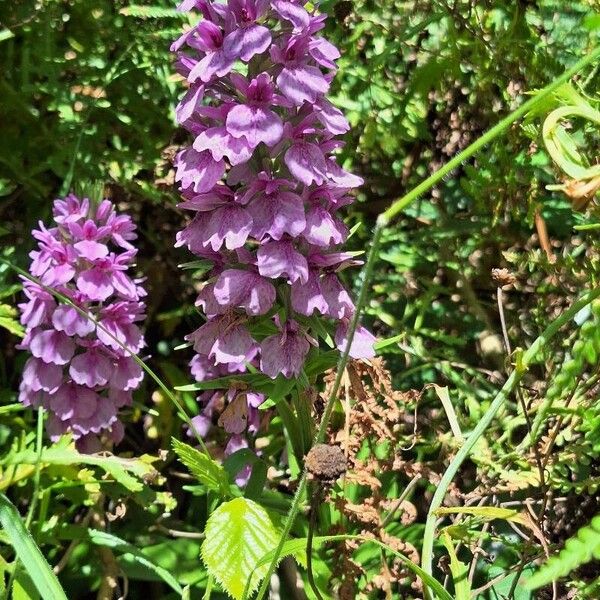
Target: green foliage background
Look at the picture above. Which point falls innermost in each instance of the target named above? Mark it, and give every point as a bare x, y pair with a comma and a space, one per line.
86, 102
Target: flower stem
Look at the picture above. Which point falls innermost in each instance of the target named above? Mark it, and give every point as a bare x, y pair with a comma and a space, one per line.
399, 205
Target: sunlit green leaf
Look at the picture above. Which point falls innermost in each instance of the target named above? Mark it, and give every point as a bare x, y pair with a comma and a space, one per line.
238, 534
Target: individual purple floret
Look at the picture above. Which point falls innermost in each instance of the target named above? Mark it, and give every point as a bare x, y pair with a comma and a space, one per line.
80, 373
262, 181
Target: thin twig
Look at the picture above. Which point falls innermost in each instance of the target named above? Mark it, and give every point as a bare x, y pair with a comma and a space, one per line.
407, 490
499, 295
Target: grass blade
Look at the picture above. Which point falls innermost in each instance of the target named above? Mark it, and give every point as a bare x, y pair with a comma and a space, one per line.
28, 552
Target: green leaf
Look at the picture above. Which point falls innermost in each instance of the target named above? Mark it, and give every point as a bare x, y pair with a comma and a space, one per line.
9, 290
8, 320
180, 557
485, 512
238, 534
6, 34
460, 571
253, 380
203, 467
101, 538
29, 554
151, 12
129, 472
23, 588
578, 550
502, 589
282, 386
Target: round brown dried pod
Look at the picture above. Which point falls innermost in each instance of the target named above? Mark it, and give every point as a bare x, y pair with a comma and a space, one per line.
325, 463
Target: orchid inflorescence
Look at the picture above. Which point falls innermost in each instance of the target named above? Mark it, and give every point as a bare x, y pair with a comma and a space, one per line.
82, 370
262, 179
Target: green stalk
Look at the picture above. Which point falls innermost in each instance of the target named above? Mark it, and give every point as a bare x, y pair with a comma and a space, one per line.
399, 205
521, 368
28, 552
39, 446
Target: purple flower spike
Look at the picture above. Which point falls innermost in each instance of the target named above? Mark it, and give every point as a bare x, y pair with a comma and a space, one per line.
79, 373
265, 192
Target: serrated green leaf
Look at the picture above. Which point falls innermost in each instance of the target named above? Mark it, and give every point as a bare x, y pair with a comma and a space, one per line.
202, 467
238, 534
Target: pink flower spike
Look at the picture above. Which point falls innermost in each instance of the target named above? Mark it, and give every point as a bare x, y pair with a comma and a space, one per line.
78, 372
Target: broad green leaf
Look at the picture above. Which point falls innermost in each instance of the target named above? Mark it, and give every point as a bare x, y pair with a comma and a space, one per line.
203, 467
101, 538
29, 554
460, 571
238, 534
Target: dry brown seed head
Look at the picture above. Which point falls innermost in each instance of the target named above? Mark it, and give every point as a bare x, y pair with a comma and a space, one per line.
325, 463
503, 277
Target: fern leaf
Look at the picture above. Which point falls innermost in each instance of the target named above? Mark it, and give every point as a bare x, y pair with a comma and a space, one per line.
578, 550
151, 12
